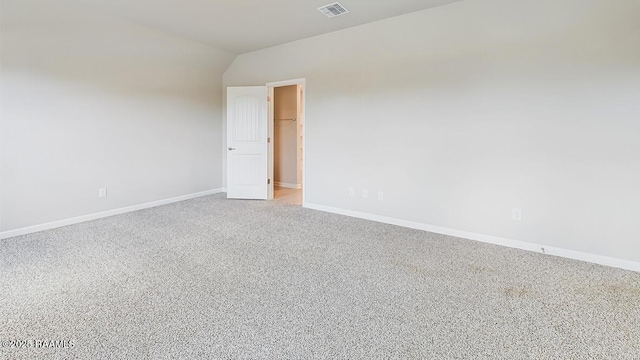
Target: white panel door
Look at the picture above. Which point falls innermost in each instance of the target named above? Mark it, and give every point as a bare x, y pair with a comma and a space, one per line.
247, 142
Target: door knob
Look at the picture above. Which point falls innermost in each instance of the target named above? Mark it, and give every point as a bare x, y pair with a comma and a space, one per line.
231, 148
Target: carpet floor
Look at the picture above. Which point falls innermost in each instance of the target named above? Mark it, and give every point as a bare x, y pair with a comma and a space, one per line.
221, 279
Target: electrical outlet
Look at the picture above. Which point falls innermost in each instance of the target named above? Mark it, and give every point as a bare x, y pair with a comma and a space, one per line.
352, 192
380, 195
516, 214
365, 193
102, 192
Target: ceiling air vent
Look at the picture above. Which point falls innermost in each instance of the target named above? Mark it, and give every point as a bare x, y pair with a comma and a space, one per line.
333, 10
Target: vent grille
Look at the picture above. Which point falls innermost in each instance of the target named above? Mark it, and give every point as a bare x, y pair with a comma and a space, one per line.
333, 10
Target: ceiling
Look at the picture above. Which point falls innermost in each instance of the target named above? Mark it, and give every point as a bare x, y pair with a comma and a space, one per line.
240, 26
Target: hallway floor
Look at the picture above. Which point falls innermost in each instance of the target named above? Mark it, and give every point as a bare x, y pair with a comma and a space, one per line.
287, 196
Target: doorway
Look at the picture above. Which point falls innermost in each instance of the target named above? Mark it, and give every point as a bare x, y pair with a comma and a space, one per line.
286, 118
252, 118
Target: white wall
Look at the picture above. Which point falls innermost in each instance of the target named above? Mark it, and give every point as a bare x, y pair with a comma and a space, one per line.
463, 112
285, 147
90, 101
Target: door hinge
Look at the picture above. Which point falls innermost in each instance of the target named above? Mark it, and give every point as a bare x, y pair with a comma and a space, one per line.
268, 140
268, 181
268, 98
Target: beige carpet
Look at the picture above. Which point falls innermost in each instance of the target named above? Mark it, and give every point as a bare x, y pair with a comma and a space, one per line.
216, 279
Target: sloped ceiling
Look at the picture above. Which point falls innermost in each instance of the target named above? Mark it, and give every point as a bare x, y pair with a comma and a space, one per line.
240, 26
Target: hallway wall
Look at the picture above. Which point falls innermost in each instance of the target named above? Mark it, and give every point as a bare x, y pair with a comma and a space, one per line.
285, 136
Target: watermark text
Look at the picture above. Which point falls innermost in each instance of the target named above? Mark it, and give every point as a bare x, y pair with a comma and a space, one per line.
36, 343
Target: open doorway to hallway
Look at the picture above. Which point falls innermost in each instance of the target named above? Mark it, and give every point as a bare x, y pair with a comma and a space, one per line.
287, 144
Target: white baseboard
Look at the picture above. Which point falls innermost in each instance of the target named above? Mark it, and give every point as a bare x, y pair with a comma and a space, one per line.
549, 250
287, 185
103, 214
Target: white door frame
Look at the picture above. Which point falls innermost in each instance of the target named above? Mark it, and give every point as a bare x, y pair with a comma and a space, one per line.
271, 125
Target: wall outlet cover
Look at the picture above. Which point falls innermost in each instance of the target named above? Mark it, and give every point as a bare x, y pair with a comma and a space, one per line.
516, 214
